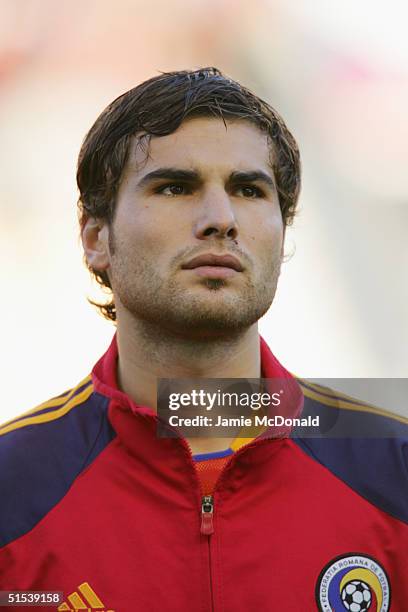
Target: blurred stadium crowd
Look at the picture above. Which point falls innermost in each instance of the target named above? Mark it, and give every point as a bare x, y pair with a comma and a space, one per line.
338, 73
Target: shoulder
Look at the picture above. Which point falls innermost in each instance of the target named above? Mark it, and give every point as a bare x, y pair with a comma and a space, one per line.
44, 450
361, 444
341, 414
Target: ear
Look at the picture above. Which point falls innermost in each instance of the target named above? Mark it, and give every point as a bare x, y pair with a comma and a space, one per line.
95, 240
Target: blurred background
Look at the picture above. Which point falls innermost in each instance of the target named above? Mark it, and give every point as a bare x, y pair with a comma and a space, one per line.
338, 73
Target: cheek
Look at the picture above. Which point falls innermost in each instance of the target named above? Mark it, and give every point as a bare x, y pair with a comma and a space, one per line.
154, 227
265, 236
140, 233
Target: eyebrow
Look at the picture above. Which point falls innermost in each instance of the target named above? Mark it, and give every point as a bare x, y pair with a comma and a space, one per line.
251, 177
172, 174
192, 176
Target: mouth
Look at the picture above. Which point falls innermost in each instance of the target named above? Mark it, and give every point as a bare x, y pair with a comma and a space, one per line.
210, 265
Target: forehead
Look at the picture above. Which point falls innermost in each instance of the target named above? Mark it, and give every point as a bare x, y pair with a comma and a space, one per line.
205, 144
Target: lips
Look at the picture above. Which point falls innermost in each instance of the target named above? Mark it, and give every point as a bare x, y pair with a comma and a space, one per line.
223, 261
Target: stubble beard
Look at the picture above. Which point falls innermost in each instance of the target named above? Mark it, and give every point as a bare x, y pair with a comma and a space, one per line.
219, 308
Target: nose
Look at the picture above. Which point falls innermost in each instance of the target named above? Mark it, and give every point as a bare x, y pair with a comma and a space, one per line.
215, 216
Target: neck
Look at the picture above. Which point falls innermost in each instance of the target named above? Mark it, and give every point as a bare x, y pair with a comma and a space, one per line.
147, 353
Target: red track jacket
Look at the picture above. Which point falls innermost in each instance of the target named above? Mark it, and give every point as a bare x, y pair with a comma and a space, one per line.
93, 504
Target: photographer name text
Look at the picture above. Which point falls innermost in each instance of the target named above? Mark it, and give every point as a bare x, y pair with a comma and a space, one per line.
222, 421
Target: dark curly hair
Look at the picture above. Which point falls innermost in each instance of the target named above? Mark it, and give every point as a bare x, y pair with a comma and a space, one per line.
157, 107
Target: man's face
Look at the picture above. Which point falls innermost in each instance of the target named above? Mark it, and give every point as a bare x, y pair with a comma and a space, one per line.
203, 190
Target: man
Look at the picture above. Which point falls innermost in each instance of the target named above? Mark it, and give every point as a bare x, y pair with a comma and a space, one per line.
187, 184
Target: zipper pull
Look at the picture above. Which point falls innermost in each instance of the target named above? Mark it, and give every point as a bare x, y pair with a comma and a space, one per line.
207, 513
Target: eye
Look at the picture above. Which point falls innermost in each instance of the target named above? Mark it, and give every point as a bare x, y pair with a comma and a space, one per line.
250, 191
173, 189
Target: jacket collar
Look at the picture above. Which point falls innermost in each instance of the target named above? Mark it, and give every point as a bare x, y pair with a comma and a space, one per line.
104, 377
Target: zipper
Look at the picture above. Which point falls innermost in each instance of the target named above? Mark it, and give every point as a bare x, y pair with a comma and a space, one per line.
207, 513
207, 506
207, 501
207, 529
210, 574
